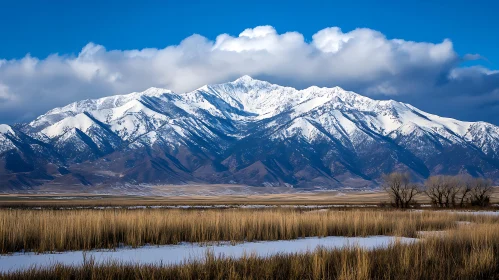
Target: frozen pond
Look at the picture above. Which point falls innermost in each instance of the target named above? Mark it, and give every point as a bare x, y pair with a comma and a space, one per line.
175, 254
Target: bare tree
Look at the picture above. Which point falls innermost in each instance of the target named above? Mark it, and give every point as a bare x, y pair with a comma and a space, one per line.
466, 183
446, 191
400, 189
480, 192
435, 190
452, 188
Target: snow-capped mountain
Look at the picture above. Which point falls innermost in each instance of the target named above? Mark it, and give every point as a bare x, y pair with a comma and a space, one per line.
246, 131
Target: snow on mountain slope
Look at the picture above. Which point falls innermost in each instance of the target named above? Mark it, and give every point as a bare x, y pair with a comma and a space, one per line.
108, 102
130, 120
264, 100
139, 119
253, 96
5, 143
485, 136
4, 129
80, 121
58, 114
81, 137
341, 113
352, 112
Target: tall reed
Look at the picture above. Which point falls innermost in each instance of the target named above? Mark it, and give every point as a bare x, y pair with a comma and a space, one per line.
59, 230
466, 253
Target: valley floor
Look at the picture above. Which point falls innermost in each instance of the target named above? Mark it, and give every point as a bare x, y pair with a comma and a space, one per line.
202, 195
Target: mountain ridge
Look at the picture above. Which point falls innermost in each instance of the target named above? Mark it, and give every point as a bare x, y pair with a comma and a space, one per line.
246, 131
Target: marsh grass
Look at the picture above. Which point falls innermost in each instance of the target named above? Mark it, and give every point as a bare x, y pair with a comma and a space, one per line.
468, 253
61, 230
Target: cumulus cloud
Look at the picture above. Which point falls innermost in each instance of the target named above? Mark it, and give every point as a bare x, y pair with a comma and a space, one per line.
363, 60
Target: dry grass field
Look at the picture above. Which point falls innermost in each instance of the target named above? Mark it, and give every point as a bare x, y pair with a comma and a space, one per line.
60, 230
469, 251
54, 222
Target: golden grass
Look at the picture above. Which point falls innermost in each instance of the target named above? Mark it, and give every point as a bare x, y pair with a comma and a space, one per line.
465, 253
60, 230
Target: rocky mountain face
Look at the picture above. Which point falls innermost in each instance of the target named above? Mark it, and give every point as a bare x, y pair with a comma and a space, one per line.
246, 132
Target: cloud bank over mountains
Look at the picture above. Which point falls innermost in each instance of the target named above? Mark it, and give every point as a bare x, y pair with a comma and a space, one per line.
428, 75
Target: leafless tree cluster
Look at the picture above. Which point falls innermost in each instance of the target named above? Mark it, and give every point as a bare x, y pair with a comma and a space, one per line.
458, 191
400, 188
447, 191
443, 191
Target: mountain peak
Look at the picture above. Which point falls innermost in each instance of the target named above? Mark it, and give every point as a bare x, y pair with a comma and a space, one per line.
244, 83
155, 91
249, 82
245, 79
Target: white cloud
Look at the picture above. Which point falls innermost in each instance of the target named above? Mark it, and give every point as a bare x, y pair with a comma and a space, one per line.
471, 72
473, 56
4, 93
362, 59
331, 39
262, 38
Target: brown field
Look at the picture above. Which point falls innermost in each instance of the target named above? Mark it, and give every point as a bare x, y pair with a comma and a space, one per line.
464, 252
82, 199
191, 196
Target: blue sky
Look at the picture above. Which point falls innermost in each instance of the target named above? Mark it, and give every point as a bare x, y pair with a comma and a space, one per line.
45, 28
63, 26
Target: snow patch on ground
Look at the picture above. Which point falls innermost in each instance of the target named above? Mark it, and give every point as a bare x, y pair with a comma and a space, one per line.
176, 254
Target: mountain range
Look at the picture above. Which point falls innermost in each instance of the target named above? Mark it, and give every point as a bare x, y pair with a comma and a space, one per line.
247, 132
